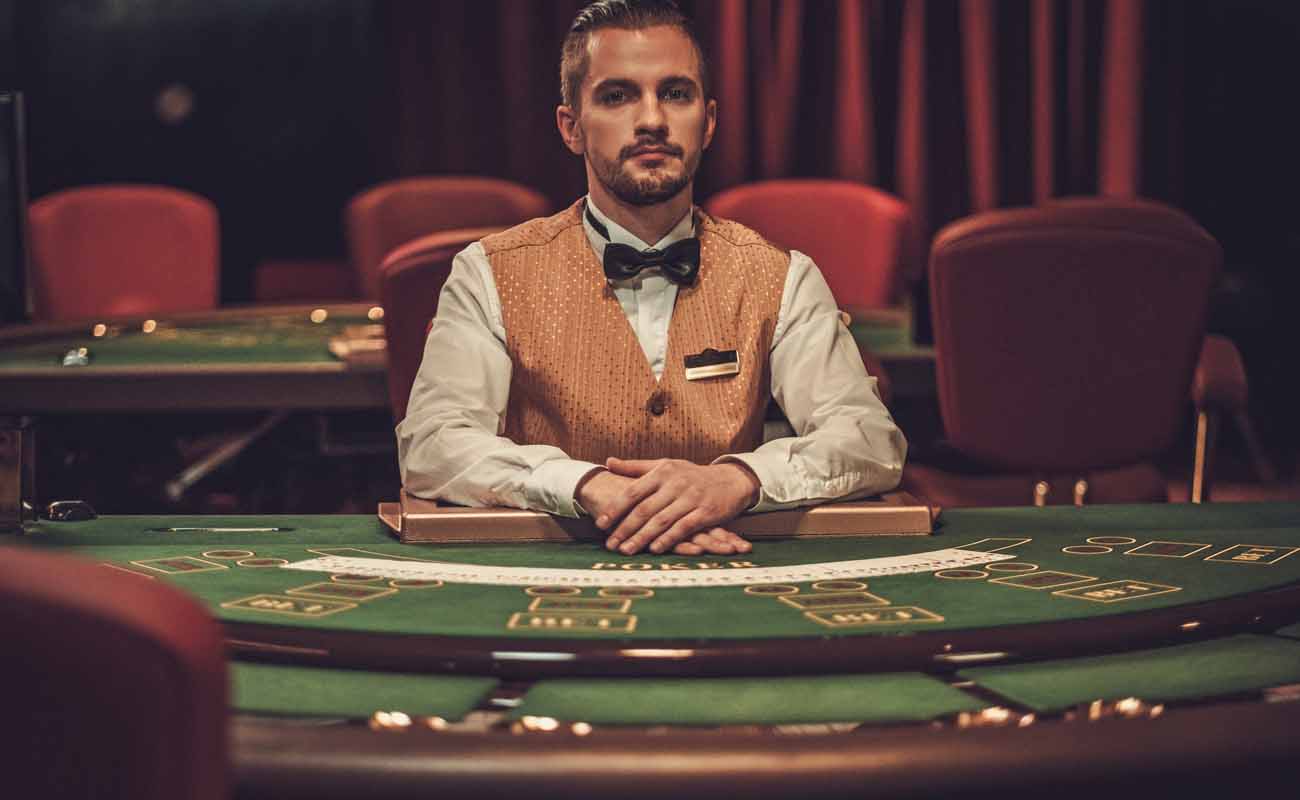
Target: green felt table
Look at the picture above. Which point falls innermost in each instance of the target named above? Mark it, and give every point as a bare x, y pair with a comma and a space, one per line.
274, 357
1191, 609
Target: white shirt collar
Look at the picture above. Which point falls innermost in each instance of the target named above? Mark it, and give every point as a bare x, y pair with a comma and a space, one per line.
684, 229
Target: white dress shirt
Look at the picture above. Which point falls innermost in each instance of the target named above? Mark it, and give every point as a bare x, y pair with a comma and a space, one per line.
449, 445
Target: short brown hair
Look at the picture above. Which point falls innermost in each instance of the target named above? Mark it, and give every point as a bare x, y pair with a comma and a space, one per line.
630, 15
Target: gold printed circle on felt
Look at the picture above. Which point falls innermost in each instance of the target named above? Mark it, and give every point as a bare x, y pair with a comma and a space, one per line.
961, 574
262, 562
414, 583
1011, 566
771, 589
1111, 540
839, 586
543, 591
1087, 549
228, 554
635, 592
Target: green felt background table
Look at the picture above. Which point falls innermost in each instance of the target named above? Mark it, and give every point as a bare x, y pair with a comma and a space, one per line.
1210, 635
248, 358
266, 357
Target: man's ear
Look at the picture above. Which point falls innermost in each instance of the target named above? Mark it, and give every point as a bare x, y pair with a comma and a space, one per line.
566, 119
710, 121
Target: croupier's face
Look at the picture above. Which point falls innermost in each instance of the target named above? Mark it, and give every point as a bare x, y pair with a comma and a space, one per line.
643, 122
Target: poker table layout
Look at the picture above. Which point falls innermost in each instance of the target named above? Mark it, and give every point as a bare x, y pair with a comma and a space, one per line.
1150, 650
264, 358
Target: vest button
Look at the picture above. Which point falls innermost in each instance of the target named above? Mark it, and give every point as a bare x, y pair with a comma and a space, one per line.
658, 404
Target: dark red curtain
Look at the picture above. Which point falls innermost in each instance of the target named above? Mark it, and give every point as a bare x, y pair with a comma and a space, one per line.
955, 105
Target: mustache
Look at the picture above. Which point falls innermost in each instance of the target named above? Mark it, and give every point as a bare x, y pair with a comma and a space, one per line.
634, 150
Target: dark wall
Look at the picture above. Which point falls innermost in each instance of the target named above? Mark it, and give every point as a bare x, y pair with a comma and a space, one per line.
276, 134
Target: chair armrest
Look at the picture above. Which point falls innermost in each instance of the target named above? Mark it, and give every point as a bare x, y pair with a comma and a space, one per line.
1219, 383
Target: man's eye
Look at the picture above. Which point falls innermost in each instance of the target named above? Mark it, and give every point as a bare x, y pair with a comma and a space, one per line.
614, 97
677, 94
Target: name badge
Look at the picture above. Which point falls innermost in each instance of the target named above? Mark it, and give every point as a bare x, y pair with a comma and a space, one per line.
712, 364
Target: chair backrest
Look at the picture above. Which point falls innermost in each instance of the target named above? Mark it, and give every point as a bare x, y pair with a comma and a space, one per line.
1066, 335
859, 236
391, 214
121, 250
113, 685
411, 279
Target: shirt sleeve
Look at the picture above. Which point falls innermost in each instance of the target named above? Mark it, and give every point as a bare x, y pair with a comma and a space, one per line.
847, 445
448, 445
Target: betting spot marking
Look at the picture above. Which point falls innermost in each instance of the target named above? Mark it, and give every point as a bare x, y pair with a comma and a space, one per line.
544, 591
1167, 549
228, 554
1115, 591
590, 623
341, 591
772, 589
1111, 540
414, 583
961, 574
857, 618
124, 569
1253, 554
606, 605
814, 602
1043, 579
633, 592
179, 565
1087, 549
839, 586
1011, 566
291, 606
262, 562
345, 578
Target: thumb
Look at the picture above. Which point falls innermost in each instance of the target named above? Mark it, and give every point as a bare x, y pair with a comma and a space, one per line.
631, 467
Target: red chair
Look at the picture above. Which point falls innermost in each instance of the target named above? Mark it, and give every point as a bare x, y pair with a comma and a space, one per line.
389, 215
122, 250
1067, 337
860, 237
113, 685
411, 278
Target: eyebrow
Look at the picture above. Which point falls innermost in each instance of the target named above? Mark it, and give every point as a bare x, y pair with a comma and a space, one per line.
627, 83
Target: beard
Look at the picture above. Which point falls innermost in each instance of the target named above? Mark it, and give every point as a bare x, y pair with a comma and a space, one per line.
657, 186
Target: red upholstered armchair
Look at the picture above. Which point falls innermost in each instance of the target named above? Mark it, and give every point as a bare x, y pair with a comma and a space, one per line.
123, 249
391, 214
411, 278
858, 235
113, 685
1067, 338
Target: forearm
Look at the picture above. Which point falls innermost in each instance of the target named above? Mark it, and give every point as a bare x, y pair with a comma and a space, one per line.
448, 447
847, 445
458, 461
850, 455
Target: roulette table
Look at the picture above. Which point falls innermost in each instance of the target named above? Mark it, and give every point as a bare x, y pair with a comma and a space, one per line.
1125, 650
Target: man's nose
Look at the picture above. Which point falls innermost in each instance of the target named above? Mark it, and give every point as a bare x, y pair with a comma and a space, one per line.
650, 114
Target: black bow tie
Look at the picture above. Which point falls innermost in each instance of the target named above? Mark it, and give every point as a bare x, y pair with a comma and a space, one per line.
679, 262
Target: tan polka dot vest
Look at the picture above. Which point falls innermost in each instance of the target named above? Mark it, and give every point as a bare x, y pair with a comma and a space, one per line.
580, 380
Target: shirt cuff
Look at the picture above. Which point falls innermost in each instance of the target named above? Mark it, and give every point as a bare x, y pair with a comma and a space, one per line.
550, 488
767, 476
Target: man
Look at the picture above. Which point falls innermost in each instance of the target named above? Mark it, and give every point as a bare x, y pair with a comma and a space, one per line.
636, 393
